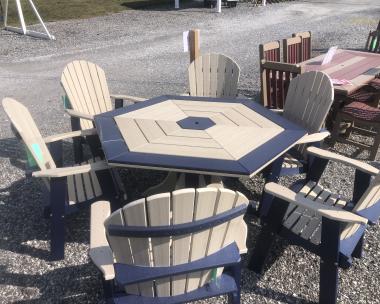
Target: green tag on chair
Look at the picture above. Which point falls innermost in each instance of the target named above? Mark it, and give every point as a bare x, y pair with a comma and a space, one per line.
37, 152
213, 274
66, 102
373, 46
30, 159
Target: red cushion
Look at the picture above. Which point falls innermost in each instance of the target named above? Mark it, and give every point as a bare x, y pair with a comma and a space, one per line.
375, 83
364, 94
362, 111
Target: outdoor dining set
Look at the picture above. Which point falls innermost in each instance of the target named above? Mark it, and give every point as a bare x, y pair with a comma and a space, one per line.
182, 240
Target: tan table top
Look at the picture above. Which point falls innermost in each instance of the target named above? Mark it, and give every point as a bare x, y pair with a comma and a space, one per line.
229, 137
357, 67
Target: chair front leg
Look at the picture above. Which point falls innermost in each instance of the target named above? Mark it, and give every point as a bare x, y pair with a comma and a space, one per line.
234, 298
58, 190
270, 227
328, 276
272, 176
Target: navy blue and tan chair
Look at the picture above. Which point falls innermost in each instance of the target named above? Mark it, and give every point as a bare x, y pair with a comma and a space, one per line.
68, 188
86, 95
171, 247
311, 216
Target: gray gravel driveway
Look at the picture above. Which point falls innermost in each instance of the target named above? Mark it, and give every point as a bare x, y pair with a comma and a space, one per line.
141, 52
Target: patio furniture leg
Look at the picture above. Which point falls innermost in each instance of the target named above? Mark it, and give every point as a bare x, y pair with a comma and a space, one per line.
57, 203
358, 251
234, 298
328, 277
271, 225
273, 176
336, 129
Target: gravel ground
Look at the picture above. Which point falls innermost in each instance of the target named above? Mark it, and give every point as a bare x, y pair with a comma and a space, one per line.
141, 53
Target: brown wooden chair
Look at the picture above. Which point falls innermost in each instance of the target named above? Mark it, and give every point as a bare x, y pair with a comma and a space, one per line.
292, 50
364, 119
306, 44
275, 79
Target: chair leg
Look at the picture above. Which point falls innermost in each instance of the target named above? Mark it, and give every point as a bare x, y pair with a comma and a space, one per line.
375, 146
358, 251
57, 203
262, 248
336, 129
234, 298
328, 275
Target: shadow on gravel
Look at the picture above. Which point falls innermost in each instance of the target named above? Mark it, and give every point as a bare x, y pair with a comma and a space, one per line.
62, 285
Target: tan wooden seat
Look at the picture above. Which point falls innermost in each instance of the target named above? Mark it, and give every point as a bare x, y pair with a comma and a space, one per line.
67, 186
213, 75
166, 209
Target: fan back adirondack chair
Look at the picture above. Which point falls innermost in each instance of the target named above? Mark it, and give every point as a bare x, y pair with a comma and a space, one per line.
275, 80
171, 247
308, 102
322, 222
213, 75
87, 95
306, 44
69, 188
292, 50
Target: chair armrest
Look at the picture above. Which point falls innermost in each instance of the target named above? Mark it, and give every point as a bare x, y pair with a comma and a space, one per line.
68, 135
74, 113
128, 98
330, 212
359, 165
315, 137
67, 171
100, 252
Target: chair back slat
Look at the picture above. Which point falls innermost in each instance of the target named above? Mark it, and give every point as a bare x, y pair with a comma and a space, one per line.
23, 122
86, 87
373, 42
292, 50
159, 215
183, 210
275, 80
213, 75
166, 209
306, 44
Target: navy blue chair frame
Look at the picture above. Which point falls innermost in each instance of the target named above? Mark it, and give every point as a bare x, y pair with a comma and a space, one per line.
228, 257
56, 200
332, 251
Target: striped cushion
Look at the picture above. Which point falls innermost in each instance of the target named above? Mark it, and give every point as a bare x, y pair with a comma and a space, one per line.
362, 111
375, 83
365, 94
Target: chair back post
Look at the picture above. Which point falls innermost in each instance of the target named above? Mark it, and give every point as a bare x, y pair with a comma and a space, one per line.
213, 75
292, 50
306, 44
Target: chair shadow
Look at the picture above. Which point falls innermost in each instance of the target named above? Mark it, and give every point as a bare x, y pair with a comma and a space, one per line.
53, 285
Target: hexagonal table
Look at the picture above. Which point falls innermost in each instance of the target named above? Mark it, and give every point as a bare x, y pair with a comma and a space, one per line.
212, 136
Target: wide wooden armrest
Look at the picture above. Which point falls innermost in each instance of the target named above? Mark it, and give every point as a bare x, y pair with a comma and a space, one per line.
127, 97
100, 252
315, 137
357, 164
67, 171
330, 212
68, 135
81, 115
